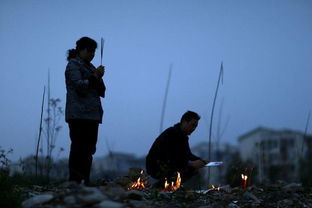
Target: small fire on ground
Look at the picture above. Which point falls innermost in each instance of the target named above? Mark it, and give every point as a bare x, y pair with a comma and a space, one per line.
173, 185
139, 184
213, 188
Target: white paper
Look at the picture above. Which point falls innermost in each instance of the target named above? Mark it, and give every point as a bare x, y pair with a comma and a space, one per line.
214, 164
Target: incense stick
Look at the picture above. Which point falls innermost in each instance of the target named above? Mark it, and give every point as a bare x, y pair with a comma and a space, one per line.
102, 48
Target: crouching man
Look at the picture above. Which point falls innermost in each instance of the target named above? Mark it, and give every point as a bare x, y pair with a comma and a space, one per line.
170, 152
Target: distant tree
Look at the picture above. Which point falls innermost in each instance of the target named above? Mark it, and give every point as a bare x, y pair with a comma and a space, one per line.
50, 131
4, 160
9, 195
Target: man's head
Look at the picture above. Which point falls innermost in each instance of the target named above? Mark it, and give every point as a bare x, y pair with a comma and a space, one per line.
189, 122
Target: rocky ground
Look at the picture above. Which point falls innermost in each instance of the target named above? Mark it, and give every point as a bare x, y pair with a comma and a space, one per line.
114, 194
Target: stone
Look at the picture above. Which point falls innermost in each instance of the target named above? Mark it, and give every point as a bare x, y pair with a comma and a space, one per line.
293, 187
87, 189
69, 184
285, 203
255, 188
70, 200
249, 195
109, 204
233, 205
115, 192
91, 195
138, 204
36, 200
164, 195
135, 195
226, 188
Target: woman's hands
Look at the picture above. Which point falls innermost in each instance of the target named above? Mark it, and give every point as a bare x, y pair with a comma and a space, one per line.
99, 72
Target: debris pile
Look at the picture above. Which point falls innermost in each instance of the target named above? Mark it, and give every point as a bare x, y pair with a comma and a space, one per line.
116, 194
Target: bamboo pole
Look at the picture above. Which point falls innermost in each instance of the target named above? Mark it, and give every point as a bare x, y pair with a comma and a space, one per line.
48, 157
305, 133
211, 117
40, 130
165, 100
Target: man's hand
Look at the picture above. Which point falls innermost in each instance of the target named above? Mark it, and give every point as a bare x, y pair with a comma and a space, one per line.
99, 72
197, 164
205, 161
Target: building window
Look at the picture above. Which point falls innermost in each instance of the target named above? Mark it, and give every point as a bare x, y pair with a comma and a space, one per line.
284, 149
291, 142
269, 144
274, 144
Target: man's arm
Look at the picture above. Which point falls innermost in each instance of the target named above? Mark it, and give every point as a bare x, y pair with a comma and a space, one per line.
191, 156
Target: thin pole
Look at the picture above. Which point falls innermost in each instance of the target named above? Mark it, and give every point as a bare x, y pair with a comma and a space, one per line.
48, 130
48, 158
165, 100
211, 117
40, 130
305, 133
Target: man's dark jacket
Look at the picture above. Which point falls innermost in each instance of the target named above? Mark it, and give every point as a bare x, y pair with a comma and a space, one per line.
171, 149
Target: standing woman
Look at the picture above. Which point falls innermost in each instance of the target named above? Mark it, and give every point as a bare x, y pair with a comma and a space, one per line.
83, 113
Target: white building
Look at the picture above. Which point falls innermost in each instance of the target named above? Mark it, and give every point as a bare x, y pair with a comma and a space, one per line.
276, 153
115, 164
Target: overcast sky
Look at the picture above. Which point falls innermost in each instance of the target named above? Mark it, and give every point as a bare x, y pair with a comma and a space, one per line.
265, 46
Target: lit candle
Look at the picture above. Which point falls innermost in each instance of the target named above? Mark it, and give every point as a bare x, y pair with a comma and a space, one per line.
244, 180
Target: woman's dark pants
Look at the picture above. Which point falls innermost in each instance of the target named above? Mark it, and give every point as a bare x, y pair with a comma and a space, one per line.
83, 135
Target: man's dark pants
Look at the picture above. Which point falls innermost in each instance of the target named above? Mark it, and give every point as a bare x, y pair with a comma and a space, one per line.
83, 135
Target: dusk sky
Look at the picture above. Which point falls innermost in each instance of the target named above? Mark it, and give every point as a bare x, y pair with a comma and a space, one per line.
265, 47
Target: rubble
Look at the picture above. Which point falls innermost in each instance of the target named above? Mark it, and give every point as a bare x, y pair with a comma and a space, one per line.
36, 200
115, 194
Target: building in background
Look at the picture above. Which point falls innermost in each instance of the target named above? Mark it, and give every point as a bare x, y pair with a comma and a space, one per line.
275, 153
115, 164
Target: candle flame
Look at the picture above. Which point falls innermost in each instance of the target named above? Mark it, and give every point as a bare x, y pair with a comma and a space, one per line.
174, 185
166, 185
139, 184
244, 177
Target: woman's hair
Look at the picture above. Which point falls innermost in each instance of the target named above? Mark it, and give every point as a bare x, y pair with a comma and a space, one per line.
81, 44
